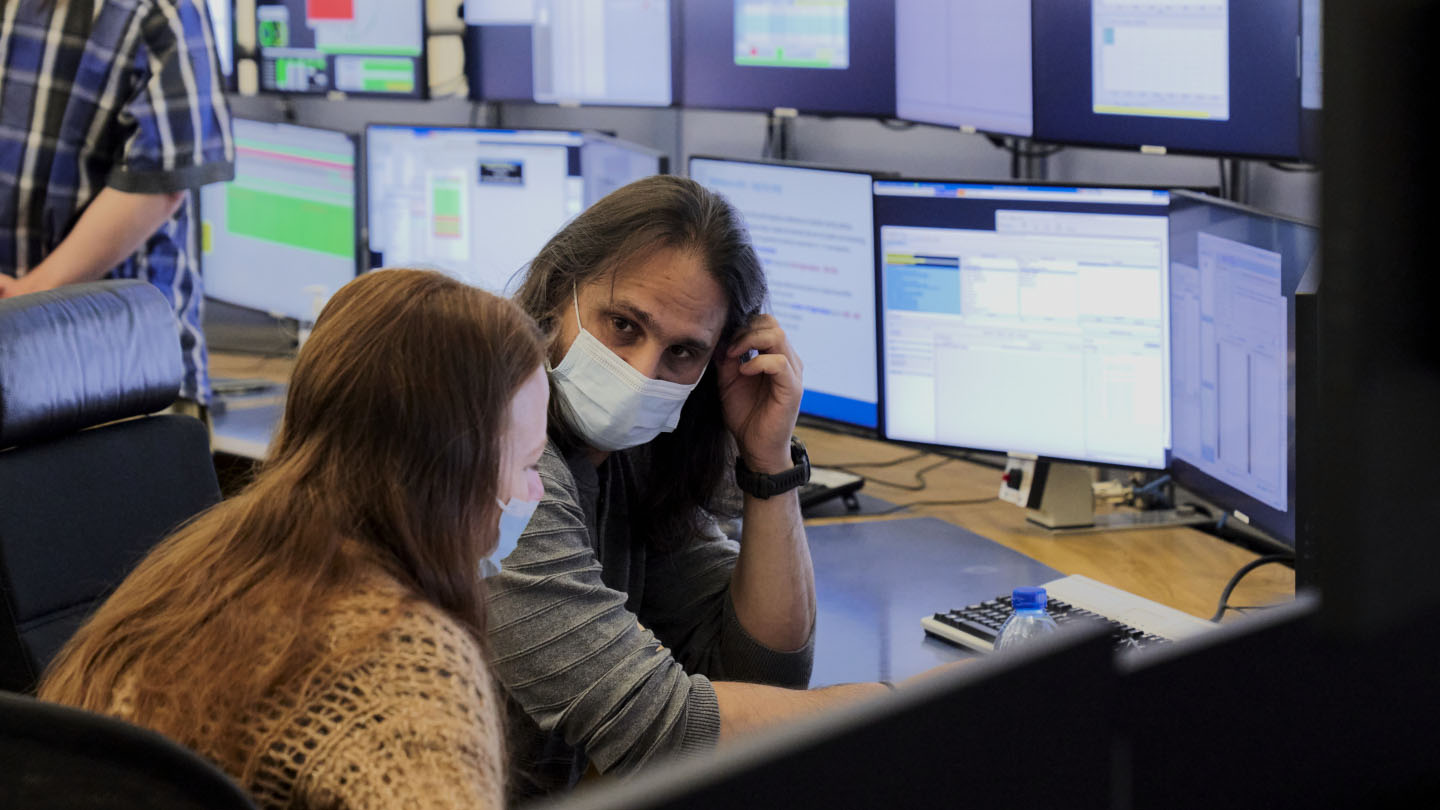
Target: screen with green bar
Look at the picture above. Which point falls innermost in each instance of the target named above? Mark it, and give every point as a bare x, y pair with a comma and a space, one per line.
293, 221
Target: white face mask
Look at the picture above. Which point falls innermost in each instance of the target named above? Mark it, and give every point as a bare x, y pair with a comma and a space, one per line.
514, 517
614, 406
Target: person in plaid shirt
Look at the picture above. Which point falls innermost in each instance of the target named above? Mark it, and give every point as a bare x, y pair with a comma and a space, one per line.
110, 112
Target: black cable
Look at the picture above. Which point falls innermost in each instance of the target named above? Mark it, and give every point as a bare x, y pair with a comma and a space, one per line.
902, 507
891, 463
1245, 569
920, 484
895, 124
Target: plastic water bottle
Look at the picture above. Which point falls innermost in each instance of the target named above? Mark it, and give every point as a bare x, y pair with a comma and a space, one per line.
1028, 621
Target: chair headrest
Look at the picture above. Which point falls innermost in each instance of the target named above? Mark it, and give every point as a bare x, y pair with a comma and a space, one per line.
83, 355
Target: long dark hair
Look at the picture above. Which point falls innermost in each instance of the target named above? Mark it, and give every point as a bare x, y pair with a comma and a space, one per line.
682, 471
387, 459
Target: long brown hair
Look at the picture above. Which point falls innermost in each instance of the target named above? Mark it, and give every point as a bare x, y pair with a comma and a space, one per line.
387, 459
682, 470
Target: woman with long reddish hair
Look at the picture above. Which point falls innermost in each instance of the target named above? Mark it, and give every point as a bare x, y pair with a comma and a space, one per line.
320, 634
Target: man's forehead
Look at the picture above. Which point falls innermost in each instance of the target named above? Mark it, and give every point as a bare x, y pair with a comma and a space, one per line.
676, 298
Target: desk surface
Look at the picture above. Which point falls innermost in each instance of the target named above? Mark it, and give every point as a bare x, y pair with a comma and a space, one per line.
1181, 567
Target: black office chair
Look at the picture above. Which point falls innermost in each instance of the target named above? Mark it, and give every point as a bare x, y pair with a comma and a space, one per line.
80, 504
58, 756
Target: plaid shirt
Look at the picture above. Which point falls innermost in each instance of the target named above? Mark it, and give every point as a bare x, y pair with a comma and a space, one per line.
119, 93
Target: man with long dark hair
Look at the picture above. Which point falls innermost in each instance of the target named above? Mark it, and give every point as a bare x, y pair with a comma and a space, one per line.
625, 626
110, 112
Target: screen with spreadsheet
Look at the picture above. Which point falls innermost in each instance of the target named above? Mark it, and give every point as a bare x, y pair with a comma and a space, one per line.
813, 231
480, 203
1234, 275
597, 52
280, 238
820, 56
964, 63
1207, 76
371, 47
1025, 318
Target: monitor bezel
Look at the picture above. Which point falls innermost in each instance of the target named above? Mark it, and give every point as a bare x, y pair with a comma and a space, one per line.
358, 195
834, 111
422, 70
1226, 497
826, 422
880, 327
1153, 148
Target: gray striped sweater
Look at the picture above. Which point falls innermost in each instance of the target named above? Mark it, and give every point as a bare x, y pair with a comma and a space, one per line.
606, 645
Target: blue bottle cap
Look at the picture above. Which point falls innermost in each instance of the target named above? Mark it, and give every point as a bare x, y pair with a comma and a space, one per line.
1028, 598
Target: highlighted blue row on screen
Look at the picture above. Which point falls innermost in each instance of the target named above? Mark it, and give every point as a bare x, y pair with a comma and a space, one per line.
841, 409
923, 284
1127, 196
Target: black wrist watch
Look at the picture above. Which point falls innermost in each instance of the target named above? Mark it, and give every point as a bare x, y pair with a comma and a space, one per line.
766, 486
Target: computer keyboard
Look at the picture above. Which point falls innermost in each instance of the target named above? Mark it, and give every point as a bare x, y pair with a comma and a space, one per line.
827, 483
1134, 621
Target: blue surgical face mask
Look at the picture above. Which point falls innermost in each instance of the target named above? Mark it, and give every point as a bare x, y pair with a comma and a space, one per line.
613, 405
514, 517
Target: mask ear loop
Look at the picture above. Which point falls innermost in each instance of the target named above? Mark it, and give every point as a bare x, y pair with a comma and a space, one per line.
575, 297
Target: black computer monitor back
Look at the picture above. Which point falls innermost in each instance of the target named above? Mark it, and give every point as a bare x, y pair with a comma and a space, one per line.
1030, 729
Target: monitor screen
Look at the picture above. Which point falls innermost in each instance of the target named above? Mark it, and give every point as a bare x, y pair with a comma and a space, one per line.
1206, 76
222, 28
1312, 78
819, 56
280, 237
608, 163
368, 47
600, 52
1234, 275
964, 63
813, 230
1026, 319
480, 203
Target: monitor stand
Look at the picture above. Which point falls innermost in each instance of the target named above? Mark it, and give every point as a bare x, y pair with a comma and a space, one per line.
1061, 497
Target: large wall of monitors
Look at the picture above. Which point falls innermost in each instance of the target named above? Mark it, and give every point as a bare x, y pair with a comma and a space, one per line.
281, 237
964, 63
816, 56
1025, 318
1236, 277
363, 47
1206, 76
600, 52
813, 231
480, 203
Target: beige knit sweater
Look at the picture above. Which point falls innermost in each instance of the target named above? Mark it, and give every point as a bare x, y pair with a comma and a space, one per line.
412, 722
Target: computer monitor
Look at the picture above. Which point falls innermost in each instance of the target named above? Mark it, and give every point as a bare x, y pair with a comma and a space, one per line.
814, 232
608, 163
964, 63
480, 203
361, 47
281, 237
1026, 318
1028, 728
1208, 76
817, 56
593, 52
1312, 77
1235, 274
222, 28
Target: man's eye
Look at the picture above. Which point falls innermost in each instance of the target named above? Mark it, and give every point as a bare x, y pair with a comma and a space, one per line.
621, 325
682, 352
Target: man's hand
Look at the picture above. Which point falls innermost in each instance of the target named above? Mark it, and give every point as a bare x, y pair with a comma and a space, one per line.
761, 398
